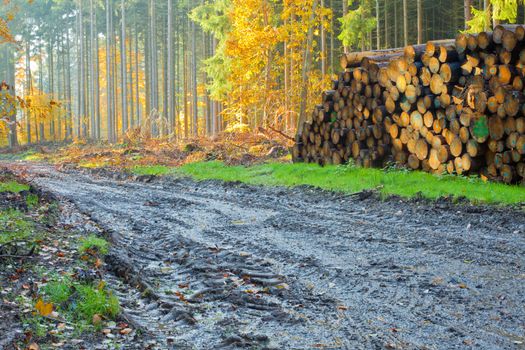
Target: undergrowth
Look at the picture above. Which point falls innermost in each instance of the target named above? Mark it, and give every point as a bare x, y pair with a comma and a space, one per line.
80, 301
93, 245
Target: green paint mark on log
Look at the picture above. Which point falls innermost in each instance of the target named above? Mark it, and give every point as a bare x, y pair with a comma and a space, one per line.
480, 128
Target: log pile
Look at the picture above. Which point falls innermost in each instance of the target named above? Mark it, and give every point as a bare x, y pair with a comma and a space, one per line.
449, 106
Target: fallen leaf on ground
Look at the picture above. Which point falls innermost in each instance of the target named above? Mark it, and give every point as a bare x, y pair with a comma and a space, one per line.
126, 331
44, 309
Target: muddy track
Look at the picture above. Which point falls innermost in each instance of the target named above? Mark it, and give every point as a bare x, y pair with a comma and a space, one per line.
209, 265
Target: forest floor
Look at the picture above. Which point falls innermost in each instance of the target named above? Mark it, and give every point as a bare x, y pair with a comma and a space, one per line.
209, 264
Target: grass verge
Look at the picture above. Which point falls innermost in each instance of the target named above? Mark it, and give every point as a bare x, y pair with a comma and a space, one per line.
350, 179
13, 187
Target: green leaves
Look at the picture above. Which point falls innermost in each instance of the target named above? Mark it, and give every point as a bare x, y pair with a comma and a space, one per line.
356, 25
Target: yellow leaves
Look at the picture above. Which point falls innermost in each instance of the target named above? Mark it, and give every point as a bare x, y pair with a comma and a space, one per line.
43, 309
5, 33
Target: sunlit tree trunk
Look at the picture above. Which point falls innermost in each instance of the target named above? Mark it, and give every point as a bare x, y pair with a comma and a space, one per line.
306, 67
345, 11
405, 21
51, 79
195, 117
137, 76
169, 104
386, 14
123, 74
378, 30
323, 44
109, 85
468, 14
92, 66
10, 64
28, 91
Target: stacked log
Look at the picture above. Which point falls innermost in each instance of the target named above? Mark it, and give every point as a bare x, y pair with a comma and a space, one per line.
449, 106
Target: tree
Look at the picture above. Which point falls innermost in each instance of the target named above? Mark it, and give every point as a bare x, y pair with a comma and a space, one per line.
356, 25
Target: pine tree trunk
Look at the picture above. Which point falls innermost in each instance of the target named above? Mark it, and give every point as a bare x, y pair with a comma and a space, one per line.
306, 67
405, 21
468, 15
169, 104
386, 14
92, 64
154, 70
378, 28
109, 85
345, 11
28, 91
323, 44
137, 77
195, 117
419, 22
97, 82
41, 90
10, 64
51, 73
123, 74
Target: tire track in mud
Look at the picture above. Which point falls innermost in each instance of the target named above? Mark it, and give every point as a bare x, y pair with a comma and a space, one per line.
229, 265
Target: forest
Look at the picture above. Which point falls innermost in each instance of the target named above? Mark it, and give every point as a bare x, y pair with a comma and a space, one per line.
262, 174
99, 70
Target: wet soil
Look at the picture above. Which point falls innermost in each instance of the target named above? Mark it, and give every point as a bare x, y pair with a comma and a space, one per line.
210, 265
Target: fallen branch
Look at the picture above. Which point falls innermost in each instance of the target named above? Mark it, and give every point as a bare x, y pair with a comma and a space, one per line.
281, 133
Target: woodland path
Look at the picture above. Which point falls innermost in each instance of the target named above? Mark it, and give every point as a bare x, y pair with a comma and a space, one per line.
230, 265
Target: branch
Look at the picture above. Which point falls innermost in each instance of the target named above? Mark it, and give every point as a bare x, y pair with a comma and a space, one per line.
281, 133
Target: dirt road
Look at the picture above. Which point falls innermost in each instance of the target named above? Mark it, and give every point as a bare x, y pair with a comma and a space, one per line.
213, 265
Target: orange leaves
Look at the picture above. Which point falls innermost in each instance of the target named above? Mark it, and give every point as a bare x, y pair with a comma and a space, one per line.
43, 309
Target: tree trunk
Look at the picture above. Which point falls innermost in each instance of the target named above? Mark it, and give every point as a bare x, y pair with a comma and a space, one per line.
419, 22
323, 44
109, 85
405, 22
195, 111
345, 11
92, 64
28, 91
387, 14
169, 104
468, 14
154, 69
306, 67
96, 79
378, 28
10, 74
124, 67
137, 77
50, 74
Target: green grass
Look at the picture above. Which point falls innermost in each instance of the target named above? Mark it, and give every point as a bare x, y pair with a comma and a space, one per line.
15, 227
13, 186
93, 243
80, 301
152, 170
350, 179
32, 200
